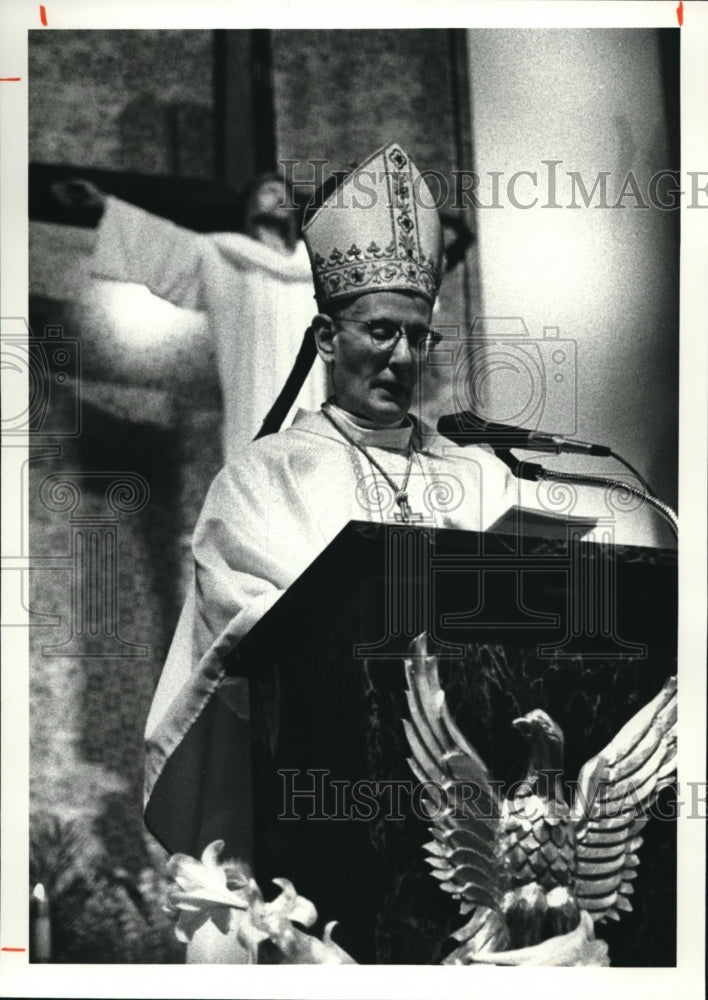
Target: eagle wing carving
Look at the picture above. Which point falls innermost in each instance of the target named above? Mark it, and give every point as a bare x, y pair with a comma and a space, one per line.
614, 791
464, 809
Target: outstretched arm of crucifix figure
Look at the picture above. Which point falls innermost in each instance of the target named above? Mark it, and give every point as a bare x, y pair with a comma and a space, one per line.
136, 246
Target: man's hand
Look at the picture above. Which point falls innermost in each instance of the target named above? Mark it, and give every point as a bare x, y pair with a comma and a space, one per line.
79, 193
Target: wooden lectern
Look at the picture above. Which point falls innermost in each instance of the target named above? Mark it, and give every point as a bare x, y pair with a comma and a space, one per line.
583, 629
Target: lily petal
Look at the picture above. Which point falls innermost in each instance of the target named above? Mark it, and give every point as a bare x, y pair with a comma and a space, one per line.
211, 853
292, 907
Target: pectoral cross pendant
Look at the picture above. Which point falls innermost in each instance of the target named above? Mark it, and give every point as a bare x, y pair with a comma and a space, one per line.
405, 514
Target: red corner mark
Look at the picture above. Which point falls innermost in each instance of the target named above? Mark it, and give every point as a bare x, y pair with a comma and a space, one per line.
10, 79
13, 949
43, 15
679, 13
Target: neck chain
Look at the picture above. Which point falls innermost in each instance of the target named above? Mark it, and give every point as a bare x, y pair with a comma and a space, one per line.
400, 493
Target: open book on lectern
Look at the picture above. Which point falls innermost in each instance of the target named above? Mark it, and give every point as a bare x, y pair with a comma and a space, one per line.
541, 524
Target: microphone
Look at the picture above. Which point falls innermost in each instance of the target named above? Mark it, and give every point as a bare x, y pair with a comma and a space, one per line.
467, 428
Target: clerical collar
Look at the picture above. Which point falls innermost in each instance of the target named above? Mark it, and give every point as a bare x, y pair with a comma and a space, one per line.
367, 434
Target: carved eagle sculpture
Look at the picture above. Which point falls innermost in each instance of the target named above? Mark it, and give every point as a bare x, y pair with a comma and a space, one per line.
525, 867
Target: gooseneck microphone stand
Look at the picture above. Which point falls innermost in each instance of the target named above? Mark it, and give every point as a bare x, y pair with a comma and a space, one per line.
468, 428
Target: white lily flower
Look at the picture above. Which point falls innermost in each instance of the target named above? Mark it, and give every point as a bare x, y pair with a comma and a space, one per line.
210, 890
206, 890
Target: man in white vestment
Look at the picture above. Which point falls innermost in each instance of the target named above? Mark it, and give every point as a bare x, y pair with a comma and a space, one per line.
268, 515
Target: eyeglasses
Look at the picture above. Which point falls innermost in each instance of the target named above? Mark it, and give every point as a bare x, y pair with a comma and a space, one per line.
385, 334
